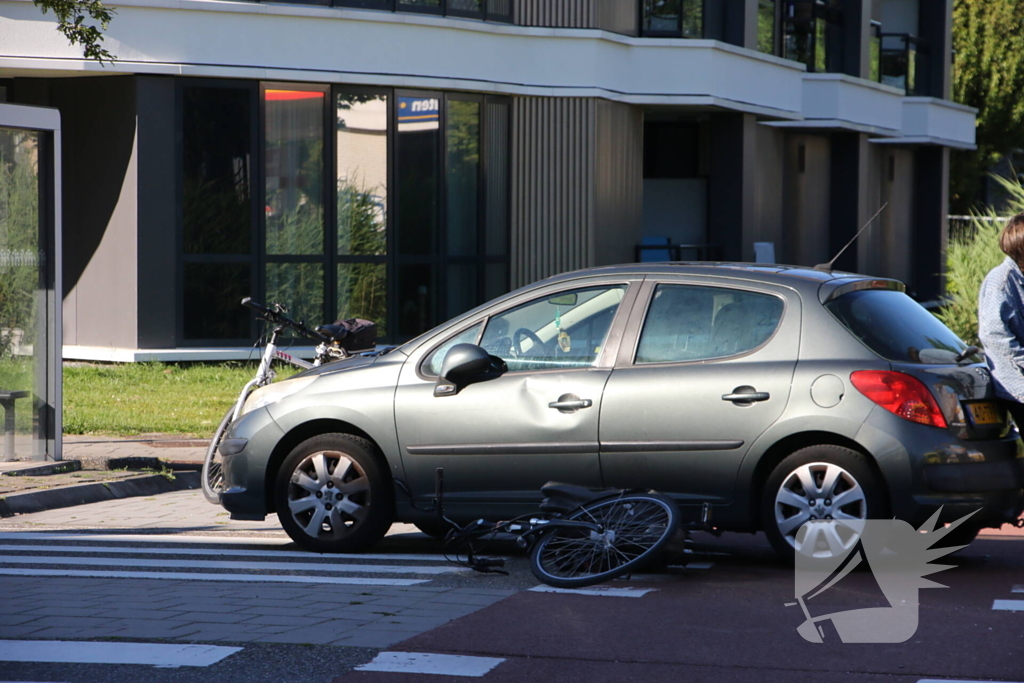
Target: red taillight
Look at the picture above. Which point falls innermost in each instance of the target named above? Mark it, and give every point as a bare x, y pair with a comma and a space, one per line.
901, 395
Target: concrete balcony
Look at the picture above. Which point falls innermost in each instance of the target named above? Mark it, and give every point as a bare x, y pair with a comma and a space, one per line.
931, 121
837, 102
325, 44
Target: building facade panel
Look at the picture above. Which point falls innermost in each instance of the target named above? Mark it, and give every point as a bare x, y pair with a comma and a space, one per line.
553, 204
405, 166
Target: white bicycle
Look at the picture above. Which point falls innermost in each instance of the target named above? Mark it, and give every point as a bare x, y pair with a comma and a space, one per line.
329, 348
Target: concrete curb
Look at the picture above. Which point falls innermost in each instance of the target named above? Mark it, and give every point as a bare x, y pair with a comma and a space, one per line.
82, 494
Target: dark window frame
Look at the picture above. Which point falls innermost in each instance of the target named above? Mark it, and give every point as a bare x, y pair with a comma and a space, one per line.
676, 33
182, 259
387, 259
328, 195
257, 260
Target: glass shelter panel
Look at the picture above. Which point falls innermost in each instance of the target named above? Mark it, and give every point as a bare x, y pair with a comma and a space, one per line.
24, 363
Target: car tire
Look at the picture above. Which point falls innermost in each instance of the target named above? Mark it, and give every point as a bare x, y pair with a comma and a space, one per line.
836, 472
329, 513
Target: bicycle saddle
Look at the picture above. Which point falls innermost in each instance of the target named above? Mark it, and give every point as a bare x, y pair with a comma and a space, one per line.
559, 497
335, 331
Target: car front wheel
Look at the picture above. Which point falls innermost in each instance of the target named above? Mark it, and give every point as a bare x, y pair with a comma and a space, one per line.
827, 483
333, 495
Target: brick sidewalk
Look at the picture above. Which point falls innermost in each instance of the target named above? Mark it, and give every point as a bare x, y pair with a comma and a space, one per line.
174, 449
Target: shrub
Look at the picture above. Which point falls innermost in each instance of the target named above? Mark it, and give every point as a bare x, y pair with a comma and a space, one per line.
970, 257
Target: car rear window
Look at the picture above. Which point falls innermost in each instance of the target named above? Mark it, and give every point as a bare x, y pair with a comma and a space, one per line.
896, 327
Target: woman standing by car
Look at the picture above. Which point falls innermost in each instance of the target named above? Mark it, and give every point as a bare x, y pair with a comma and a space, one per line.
1001, 319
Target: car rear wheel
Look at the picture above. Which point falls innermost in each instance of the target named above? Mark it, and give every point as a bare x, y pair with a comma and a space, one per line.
333, 495
827, 483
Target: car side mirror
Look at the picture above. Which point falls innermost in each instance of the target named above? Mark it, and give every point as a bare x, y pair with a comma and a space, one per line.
465, 364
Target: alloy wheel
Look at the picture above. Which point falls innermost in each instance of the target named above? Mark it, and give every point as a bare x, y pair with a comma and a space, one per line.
328, 495
820, 492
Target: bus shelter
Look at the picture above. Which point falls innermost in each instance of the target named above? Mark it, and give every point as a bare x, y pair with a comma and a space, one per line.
30, 285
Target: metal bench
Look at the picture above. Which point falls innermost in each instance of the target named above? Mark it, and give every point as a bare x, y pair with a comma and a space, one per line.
7, 399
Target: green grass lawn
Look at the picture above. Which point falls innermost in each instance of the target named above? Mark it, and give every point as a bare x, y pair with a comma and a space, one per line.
139, 398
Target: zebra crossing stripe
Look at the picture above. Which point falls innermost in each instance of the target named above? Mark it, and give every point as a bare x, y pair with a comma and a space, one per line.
218, 552
208, 540
424, 663
77, 652
196, 576
214, 564
1008, 605
597, 590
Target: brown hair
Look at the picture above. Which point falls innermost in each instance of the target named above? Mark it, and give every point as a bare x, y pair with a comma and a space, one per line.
1012, 239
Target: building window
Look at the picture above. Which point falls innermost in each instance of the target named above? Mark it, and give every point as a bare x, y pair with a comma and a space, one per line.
294, 226
673, 18
362, 122
767, 26
376, 204
489, 10
903, 57
218, 246
814, 34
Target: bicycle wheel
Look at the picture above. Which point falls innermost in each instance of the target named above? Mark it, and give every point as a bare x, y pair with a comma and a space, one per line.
213, 471
635, 526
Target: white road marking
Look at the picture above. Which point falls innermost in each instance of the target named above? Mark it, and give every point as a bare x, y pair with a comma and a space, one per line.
142, 538
699, 565
184, 576
153, 654
423, 663
238, 566
1018, 589
210, 540
219, 552
607, 592
1009, 605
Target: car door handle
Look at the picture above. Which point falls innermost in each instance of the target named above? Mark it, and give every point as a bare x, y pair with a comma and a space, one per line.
746, 395
570, 403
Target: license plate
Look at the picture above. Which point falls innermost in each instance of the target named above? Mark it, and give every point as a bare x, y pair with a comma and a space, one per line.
985, 413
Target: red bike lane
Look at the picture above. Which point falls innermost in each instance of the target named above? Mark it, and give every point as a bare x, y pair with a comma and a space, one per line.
731, 623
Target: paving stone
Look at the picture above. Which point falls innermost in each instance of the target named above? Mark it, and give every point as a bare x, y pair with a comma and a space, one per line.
284, 621
276, 611
20, 631
16, 619
71, 622
216, 617
62, 611
58, 633
367, 638
316, 636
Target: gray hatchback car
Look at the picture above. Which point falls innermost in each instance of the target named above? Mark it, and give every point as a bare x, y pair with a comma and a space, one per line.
777, 394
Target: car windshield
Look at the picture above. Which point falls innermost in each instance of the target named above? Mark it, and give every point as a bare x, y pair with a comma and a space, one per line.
897, 328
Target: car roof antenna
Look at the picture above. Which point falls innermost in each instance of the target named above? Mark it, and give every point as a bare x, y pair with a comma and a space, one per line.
828, 266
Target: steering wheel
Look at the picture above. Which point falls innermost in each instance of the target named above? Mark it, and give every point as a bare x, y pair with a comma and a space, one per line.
517, 338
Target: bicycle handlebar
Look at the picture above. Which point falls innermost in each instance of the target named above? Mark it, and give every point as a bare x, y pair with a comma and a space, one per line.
274, 315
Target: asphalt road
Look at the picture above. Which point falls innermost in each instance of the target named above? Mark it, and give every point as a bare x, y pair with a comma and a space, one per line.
723, 618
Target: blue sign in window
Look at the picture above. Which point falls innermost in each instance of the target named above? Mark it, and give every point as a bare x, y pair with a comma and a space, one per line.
418, 109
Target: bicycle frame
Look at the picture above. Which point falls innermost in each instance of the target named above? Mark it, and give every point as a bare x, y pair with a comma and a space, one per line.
265, 373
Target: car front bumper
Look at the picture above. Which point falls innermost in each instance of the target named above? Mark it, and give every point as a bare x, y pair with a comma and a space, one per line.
245, 471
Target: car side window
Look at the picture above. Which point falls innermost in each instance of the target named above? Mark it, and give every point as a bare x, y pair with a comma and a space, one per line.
432, 364
563, 330
691, 323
